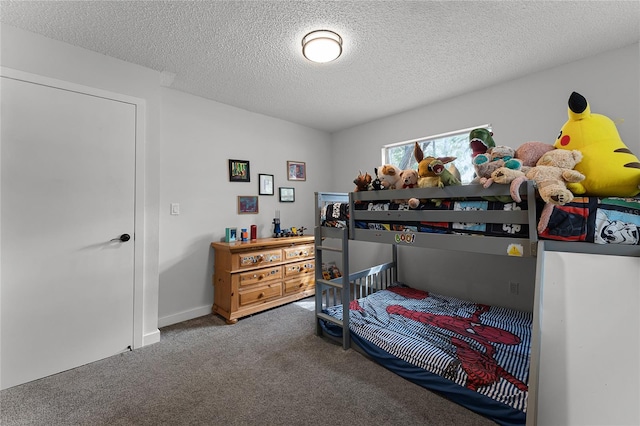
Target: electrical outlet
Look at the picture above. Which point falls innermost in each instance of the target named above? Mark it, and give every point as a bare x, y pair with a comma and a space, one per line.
514, 288
175, 208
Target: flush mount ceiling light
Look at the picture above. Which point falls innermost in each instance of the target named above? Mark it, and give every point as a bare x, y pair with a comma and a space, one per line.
321, 46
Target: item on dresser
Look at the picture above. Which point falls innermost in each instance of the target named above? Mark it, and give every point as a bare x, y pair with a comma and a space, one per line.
276, 224
230, 235
252, 276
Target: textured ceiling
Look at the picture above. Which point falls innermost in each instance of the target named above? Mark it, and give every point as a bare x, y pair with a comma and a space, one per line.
398, 55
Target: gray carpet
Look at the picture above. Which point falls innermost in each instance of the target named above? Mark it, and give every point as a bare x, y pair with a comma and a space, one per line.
268, 369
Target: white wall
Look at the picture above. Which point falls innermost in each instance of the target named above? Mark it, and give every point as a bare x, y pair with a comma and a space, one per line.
589, 371
526, 109
198, 138
39, 55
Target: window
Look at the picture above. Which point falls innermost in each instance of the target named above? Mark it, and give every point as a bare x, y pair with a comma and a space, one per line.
452, 144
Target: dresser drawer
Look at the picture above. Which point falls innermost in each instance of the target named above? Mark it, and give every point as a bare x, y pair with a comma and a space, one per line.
306, 267
257, 258
260, 294
251, 276
260, 275
297, 285
299, 252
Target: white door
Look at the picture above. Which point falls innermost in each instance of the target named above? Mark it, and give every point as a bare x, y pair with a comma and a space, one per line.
68, 190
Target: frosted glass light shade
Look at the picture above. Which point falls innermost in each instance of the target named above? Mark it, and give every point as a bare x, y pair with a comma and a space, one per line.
322, 46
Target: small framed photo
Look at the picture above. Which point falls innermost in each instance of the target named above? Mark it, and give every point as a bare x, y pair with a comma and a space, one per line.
287, 195
265, 186
230, 235
296, 170
239, 171
247, 204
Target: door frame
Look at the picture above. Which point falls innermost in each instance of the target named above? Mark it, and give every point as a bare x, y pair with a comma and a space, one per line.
139, 184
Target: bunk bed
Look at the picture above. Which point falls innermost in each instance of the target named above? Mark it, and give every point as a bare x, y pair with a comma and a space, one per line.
480, 356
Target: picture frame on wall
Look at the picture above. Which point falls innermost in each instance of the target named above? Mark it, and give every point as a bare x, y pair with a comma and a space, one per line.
247, 204
296, 170
239, 171
265, 184
287, 195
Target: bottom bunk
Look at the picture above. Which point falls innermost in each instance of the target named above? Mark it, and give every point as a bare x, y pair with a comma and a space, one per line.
475, 355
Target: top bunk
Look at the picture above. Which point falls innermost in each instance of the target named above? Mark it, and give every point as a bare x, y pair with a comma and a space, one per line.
472, 218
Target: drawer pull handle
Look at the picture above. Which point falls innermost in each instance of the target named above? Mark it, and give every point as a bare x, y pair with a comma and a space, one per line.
261, 295
259, 259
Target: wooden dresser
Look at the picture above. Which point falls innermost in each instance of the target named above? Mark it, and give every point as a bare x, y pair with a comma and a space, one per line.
252, 276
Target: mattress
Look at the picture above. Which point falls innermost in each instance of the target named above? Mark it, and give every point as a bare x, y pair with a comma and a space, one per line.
476, 355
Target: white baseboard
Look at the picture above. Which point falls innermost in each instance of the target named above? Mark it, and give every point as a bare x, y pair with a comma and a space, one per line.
184, 316
151, 338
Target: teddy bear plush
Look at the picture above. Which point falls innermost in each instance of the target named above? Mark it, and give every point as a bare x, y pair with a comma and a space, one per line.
389, 176
551, 174
409, 178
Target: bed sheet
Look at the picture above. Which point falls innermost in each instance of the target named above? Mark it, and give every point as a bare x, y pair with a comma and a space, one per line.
595, 220
479, 354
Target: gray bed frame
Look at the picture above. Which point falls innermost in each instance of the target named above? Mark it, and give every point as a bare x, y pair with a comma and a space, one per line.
361, 283
354, 285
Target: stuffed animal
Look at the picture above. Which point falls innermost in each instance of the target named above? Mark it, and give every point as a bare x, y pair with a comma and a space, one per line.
431, 169
409, 178
433, 173
530, 152
389, 176
609, 167
480, 140
447, 175
495, 157
362, 181
376, 184
551, 175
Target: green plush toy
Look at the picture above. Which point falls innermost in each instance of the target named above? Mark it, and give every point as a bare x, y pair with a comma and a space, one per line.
609, 167
480, 140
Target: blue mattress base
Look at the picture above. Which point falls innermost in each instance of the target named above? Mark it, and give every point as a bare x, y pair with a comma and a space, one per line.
478, 403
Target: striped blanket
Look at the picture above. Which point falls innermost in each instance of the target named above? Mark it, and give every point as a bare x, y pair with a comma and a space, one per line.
481, 348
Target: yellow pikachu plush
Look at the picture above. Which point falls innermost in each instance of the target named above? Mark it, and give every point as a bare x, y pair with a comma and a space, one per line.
609, 167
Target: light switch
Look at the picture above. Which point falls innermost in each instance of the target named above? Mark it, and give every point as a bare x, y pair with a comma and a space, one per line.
175, 208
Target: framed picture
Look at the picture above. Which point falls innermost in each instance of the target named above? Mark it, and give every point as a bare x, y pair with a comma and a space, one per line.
247, 204
287, 195
230, 235
239, 171
265, 185
296, 170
